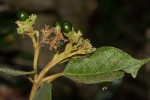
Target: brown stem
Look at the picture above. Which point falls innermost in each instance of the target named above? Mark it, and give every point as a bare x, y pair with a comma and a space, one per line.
38, 82
56, 59
36, 54
52, 77
31, 80
34, 90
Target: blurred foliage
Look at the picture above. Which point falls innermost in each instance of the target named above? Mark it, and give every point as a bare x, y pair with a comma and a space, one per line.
120, 23
8, 33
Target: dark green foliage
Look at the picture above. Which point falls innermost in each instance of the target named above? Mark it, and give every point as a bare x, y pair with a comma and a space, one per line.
15, 72
104, 65
44, 93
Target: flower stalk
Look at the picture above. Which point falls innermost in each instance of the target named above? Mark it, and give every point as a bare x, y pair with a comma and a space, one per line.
65, 43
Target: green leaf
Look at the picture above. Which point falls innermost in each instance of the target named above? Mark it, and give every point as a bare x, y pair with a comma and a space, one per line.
105, 64
15, 72
44, 93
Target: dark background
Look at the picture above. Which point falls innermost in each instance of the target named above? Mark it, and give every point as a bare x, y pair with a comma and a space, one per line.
124, 24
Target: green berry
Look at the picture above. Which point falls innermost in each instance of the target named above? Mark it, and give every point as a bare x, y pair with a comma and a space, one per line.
66, 27
61, 43
78, 30
56, 23
22, 16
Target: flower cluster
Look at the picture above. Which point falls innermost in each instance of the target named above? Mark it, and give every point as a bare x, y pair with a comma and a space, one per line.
57, 37
52, 37
26, 27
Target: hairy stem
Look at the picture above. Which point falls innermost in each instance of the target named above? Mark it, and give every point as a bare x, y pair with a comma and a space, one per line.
36, 54
34, 89
56, 59
52, 77
38, 82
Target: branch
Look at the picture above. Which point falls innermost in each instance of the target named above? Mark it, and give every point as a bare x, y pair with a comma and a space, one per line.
52, 77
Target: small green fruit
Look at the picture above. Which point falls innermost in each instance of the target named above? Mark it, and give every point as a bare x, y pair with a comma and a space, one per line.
56, 23
61, 43
22, 16
79, 30
66, 27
